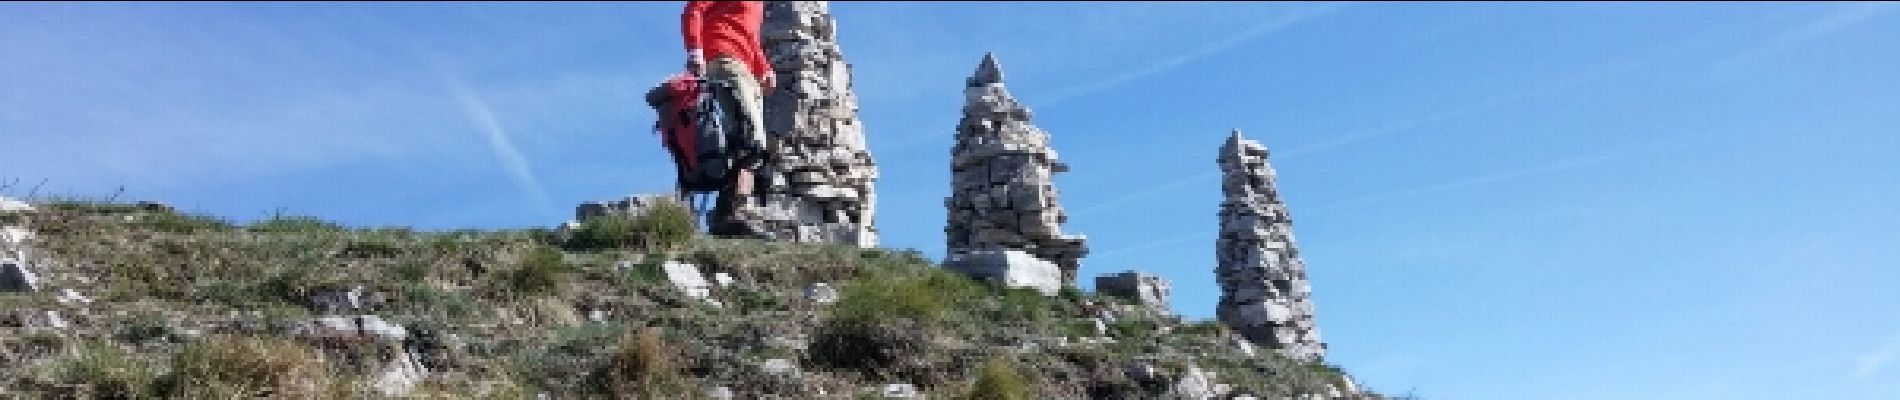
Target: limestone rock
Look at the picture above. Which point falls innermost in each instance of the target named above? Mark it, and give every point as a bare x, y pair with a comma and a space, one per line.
687, 278
351, 328
16, 274
400, 375
10, 205
70, 296
723, 279
1194, 384
779, 366
54, 321
16, 277
1151, 290
821, 293
1265, 296
899, 391
817, 181
1002, 195
1013, 268
338, 301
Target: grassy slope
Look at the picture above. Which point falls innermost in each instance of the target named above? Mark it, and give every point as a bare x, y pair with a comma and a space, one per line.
505, 314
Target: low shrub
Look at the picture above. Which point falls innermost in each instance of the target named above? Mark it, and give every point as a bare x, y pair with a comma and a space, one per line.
293, 224
662, 227
642, 366
1000, 379
542, 271
100, 371
235, 366
179, 223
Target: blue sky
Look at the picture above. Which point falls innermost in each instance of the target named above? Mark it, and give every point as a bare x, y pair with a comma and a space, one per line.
1564, 201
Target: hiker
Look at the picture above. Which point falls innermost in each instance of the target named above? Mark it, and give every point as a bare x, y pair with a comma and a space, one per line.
722, 43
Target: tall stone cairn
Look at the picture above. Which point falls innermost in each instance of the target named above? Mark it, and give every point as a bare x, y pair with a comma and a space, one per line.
1001, 196
816, 183
1264, 292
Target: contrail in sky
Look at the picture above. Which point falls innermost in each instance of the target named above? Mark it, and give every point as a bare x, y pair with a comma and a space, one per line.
1558, 84
1263, 27
498, 140
1872, 361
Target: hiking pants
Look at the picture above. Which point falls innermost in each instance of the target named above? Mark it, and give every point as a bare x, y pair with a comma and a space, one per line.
750, 102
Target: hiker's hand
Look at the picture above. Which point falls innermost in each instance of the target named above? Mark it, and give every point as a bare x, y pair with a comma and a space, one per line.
695, 63
770, 82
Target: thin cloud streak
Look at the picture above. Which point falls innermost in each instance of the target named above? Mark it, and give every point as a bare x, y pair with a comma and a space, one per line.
1873, 361
1556, 85
1567, 164
1256, 30
1519, 174
1158, 243
498, 140
1849, 15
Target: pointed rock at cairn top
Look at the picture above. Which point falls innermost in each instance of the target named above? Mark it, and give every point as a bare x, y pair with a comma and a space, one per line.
988, 72
1238, 146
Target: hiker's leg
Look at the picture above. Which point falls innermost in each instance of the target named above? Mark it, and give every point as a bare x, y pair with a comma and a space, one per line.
720, 223
748, 98
748, 141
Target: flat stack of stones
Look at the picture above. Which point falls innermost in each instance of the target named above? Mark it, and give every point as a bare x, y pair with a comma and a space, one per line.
631, 205
1151, 290
1264, 292
1001, 194
816, 181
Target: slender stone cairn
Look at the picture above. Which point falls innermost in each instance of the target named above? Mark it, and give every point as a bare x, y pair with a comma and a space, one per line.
1264, 292
1001, 196
816, 182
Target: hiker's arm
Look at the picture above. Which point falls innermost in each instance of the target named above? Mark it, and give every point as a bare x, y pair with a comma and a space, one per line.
689, 30
768, 79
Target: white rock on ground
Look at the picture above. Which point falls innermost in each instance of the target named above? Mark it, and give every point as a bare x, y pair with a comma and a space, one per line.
1013, 268
724, 279
899, 391
53, 320
1194, 384
821, 293
401, 375
358, 327
687, 278
70, 296
16, 273
779, 366
9, 204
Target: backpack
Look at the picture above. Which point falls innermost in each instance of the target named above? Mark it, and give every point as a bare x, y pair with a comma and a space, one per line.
697, 141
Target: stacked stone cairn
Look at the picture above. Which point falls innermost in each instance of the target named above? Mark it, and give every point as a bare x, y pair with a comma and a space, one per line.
1265, 296
816, 181
1001, 196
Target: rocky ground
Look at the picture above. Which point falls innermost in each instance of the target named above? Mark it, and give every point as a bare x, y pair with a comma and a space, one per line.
139, 301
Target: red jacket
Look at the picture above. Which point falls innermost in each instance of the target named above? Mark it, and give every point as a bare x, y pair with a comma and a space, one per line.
726, 28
